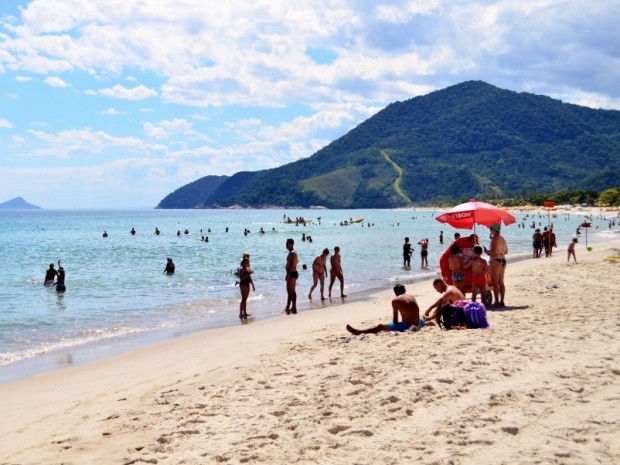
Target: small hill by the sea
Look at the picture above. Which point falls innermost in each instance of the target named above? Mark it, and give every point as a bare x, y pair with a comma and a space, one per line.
18, 203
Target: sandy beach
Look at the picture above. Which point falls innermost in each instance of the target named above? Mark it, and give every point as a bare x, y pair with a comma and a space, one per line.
542, 385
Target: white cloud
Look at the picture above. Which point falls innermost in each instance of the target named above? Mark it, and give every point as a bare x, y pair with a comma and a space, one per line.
111, 112
55, 81
168, 128
17, 140
85, 142
239, 71
11, 96
135, 93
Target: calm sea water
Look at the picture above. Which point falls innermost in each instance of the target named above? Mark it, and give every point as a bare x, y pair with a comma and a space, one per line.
117, 293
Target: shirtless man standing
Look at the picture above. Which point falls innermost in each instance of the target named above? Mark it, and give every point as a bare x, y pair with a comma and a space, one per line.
449, 295
291, 277
497, 264
336, 272
50, 276
403, 304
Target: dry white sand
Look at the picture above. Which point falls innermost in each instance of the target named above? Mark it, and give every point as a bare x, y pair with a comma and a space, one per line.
542, 386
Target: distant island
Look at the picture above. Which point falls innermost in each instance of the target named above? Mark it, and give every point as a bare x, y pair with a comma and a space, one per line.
18, 203
471, 140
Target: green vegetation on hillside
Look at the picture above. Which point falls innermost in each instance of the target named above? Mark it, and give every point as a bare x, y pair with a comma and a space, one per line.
471, 140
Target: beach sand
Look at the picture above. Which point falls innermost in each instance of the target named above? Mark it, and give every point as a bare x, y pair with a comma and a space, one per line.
541, 386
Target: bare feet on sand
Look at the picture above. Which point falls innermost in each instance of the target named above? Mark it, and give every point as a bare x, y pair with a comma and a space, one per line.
352, 330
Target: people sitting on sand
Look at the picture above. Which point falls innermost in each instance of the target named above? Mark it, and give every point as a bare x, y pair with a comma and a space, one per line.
449, 295
404, 305
50, 276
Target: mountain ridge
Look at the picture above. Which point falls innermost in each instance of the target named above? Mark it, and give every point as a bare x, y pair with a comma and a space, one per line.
468, 140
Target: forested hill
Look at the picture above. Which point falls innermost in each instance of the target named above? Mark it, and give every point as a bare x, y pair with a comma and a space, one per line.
465, 141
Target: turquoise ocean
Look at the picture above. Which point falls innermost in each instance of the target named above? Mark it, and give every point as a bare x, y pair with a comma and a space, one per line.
118, 297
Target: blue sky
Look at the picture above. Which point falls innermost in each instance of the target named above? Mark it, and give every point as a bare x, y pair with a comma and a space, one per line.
116, 103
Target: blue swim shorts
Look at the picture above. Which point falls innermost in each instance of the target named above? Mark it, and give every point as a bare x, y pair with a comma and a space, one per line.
458, 276
400, 326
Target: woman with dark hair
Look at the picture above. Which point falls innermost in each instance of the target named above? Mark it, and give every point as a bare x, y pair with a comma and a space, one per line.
245, 280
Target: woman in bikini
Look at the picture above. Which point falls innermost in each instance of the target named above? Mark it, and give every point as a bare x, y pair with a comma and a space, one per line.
497, 264
245, 281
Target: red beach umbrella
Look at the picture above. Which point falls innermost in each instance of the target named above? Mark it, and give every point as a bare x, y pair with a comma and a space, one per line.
467, 215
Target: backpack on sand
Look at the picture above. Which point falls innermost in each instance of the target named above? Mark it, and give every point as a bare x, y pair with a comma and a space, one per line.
463, 313
452, 316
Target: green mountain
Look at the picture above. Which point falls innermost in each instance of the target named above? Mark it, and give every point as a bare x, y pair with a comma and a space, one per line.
18, 203
471, 140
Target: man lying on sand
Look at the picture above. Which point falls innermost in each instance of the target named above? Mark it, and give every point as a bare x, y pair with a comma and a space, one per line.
409, 311
449, 295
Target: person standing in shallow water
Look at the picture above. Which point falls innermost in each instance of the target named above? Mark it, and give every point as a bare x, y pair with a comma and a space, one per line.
60, 281
50, 276
170, 267
423, 252
319, 271
291, 277
336, 272
245, 281
407, 251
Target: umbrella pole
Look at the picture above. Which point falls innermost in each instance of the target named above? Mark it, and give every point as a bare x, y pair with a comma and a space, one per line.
476, 241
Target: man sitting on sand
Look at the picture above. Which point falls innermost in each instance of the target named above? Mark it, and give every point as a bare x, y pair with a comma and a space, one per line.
449, 295
404, 304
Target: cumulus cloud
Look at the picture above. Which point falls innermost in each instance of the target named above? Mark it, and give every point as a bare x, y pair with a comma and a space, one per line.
111, 112
86, 142
167, 128
55, 81
135, 93
225, 86
5, 123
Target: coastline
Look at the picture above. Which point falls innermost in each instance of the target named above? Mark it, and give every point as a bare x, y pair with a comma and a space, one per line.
74, 355
540, 385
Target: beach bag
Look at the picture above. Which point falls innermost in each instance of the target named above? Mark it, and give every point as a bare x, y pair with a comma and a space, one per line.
472, 315
452, 316
476, 315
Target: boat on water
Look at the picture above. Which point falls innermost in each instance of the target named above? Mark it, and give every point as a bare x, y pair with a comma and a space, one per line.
297, 221
351, 221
